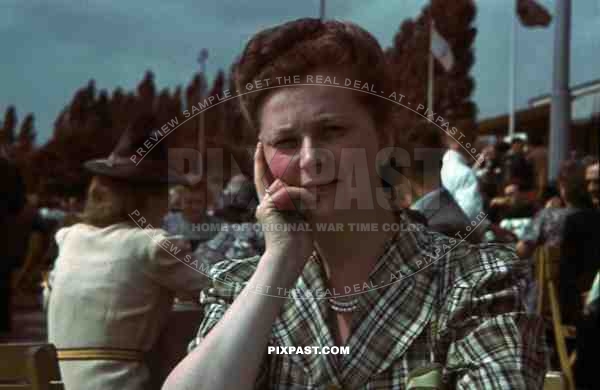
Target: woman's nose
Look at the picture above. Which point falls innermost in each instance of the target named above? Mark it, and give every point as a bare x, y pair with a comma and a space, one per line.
308, 158
314, 159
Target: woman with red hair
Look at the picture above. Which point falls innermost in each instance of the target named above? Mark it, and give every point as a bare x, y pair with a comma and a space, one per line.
409, 314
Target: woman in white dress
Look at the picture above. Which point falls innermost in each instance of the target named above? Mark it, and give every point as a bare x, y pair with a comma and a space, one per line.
113, 282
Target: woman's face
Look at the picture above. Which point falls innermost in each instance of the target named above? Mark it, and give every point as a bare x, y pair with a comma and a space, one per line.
322, 138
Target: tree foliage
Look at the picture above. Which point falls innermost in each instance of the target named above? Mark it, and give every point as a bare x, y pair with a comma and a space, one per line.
408, 61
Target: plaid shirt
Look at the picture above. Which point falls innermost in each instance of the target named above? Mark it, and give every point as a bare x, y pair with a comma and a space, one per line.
465, 311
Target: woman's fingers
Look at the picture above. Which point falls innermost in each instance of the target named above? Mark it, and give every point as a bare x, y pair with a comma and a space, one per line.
262, 175
274, 187
293, 198
275, 192
259, 171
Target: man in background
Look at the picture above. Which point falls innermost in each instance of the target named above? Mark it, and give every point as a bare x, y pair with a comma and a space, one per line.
592, 180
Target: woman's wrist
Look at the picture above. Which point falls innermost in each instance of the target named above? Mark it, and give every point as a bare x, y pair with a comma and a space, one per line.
280, 268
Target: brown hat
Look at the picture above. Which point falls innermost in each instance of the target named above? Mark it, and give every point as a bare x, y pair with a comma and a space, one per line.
151, 165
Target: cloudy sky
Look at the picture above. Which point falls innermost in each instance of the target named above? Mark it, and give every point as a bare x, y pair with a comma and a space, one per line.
50, 48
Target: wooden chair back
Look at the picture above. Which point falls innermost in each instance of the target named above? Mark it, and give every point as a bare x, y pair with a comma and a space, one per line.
561, 333
547, 264
29, 367
548, 306
554, 380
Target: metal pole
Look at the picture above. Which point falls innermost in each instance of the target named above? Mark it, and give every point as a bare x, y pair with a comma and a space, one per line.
430, 71
202, 120
201, 142
560, 115
512, 69
322, 10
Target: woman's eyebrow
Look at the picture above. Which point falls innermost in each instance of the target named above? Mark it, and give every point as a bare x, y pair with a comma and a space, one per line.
273, 133
328, 118
277, 132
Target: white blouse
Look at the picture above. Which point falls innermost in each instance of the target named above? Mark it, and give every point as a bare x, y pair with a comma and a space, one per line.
113, 287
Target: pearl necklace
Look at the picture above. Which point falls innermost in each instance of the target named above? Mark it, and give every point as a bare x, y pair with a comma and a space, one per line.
340, 306
345, 306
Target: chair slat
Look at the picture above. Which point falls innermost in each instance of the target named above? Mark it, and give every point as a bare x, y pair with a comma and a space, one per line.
14, 365
29, 366
554, 381
559, 337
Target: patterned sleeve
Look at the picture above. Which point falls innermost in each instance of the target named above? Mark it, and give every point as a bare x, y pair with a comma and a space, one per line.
228, 279
533, 232
492, 343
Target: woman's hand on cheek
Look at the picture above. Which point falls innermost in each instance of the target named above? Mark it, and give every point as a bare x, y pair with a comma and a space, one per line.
280, 205
281, 164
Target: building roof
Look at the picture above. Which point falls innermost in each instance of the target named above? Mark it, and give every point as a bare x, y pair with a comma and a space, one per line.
586, 88
524, 119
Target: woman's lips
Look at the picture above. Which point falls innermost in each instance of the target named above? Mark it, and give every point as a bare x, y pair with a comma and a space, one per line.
324, 187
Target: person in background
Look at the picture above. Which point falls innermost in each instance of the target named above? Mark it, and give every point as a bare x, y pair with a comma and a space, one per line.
489, 173
587, 346
239, 237
459, 179
174, 218
214, 189
592, 179
517, 169
18, 220
113, 282
199, 225
193, 222
431, 199
538, 158
514, 204
548, 223
550, 197
579, 260
14, 233
579, 276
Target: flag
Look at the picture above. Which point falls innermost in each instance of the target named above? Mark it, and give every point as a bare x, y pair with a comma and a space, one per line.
533, 14
441, 49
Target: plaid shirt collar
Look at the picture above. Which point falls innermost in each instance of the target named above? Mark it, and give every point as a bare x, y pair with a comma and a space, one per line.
394, 311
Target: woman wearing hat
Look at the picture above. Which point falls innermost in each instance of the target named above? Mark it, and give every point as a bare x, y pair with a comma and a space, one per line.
112, 285
271, 321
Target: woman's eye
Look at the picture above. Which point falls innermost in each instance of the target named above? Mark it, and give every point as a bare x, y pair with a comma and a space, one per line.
286, 143
334, 130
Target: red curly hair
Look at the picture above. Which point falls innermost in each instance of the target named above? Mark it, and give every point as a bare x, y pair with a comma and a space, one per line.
310, 45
